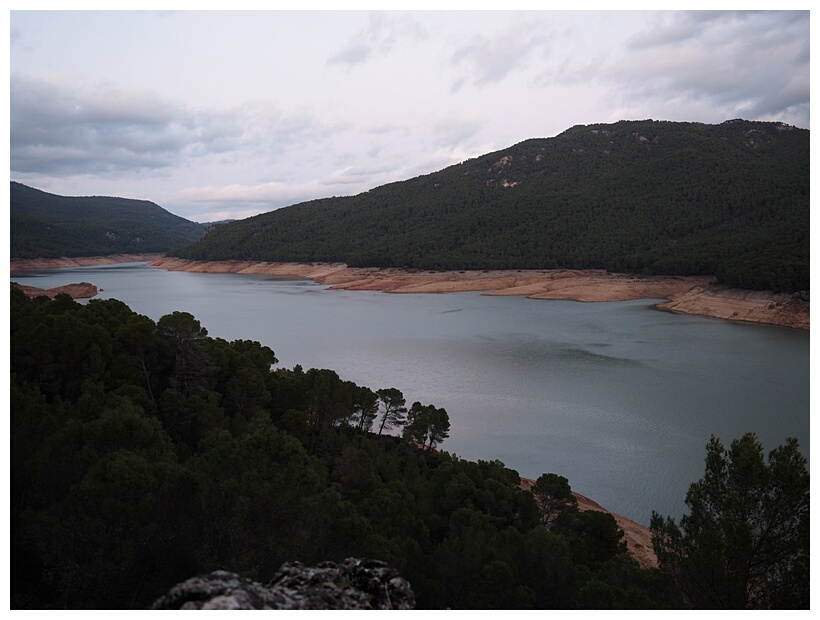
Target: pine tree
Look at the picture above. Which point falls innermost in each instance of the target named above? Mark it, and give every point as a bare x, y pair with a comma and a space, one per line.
745, 543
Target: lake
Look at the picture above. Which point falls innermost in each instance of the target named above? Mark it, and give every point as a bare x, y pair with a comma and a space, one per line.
618, 397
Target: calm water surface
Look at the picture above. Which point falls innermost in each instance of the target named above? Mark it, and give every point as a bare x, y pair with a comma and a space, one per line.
619, 398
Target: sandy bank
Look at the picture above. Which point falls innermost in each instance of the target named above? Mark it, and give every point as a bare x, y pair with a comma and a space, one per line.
638, 537
81, 290
720, 302
22, 264
697, 295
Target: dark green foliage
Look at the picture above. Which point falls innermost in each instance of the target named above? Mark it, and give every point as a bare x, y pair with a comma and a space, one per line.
45, 225
426, 425
730, 200
553, 495
145, 453
263, 500
393, 403
182, 337
745, 543
595, 535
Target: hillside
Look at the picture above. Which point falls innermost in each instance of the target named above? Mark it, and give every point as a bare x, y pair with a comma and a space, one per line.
46, 225
653, 197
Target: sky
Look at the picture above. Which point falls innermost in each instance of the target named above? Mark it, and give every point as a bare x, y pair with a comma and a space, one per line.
226, 114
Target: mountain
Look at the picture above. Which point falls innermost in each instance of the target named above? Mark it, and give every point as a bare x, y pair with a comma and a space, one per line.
658, 197
46, 225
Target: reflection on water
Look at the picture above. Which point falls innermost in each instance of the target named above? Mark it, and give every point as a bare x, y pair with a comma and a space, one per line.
618, 397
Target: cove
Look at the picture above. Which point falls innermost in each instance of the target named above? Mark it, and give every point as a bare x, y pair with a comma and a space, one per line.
618, 397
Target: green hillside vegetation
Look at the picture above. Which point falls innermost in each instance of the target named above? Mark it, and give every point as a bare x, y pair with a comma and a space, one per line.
143, 453
653, 197
45, 225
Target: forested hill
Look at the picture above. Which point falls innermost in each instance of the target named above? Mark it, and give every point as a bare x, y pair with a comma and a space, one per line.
730, 200
46, 225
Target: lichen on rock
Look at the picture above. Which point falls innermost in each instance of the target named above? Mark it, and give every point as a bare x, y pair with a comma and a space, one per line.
353, 584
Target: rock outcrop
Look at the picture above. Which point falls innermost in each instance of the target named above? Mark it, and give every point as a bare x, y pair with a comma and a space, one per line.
353, 584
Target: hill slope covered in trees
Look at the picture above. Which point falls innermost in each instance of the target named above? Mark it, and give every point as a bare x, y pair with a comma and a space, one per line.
658, 197
46, 225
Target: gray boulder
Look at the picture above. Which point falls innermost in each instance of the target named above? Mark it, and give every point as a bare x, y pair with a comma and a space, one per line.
353, 584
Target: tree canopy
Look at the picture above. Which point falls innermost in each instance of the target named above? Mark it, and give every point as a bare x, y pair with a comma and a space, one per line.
45, 225
131, 471
745, 542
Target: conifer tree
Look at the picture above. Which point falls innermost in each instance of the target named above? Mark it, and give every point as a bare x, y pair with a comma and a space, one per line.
745, 543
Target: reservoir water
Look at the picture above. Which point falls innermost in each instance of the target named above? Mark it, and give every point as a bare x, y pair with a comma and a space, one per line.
618, 397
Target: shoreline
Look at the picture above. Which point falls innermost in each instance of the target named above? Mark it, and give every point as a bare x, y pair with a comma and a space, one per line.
66, 262
692, 295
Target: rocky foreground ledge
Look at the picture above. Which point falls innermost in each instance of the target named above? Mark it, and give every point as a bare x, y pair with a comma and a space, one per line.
695, 295
353, 584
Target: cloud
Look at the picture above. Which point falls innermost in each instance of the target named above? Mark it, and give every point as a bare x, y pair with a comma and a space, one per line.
357, 175
671, 29
72, 129
14, 36
754, 64
488, 59
455, 132
379, 38
279, 193
209, 203
64, 129
343, 181
266, 132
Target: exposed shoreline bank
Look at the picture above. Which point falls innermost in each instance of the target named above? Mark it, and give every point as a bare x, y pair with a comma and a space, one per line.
25, 264
694, 295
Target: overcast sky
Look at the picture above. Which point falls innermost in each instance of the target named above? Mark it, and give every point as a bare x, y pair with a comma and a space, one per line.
217, 115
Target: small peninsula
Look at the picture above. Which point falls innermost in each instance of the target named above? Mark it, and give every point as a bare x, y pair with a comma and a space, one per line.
80, 290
